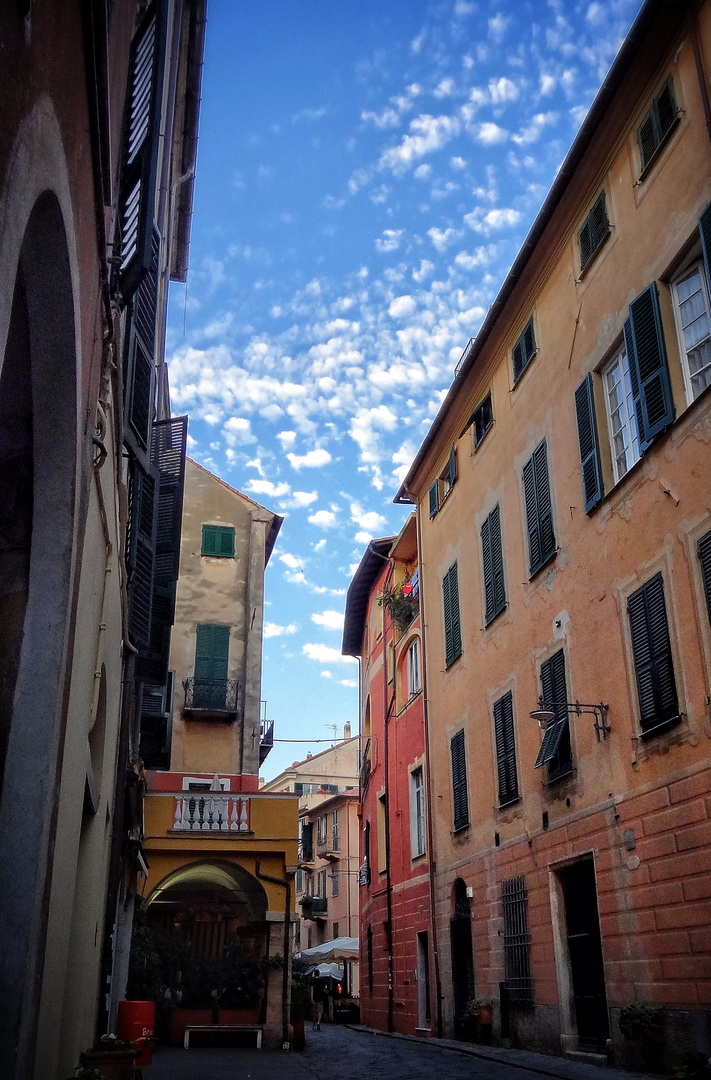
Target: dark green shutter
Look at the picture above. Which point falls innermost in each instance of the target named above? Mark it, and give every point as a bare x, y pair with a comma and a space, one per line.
452, 467
140, 358
459, 781
505, 748
141, 542
211, 654
704, 550
705, 233
434, 498
555, 695
227, 541
209, 540
452, 628
657, 124
493, 565
539, 509
651, 650
594, 231
523, 350
649, 371
590, 467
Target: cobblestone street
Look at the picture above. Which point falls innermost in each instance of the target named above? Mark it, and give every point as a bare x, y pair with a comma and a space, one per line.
360, 1055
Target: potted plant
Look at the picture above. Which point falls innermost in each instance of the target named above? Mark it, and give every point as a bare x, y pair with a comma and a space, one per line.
110, 1059
477, 1017
300, 1009
642, 1023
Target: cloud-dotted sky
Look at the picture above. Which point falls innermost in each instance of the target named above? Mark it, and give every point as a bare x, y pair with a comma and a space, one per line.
366, 175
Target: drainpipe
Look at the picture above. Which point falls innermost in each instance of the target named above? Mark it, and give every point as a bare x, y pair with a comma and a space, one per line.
388, 880
428, 788
694, 34
286, 885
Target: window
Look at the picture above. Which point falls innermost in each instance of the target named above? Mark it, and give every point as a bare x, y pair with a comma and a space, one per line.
493, 565
417, 813
335, 925
505, 749
595, 230
370, 958
334, 885
651, 651
218, 540
621, 418
321, 830
649, 371
452, 628
309, 883
321, 884
539, 510
212, 645
517, 970
523, 351
413, 669
483, 419
658, 124
693, 320
459, 781
704, 552
590, 467
382, 828
366, 852
299, 881
441, 487
307, 841
555, 751
334, 830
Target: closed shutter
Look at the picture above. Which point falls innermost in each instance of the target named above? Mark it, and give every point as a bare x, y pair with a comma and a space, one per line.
651, 650
140, 358
452, 628
523, 350
555, 695
209, 540
649, 371
493, 565
704, 550
459, 781
657, 124
141, 146
211, 654
434, 498
505, 748
227, 542
594, 231
141, 554
705, 233
590, 467
539, 510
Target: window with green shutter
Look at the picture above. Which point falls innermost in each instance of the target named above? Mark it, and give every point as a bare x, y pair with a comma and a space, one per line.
211, 656
649, 370
658, 124
595, 230
704, 552
218, 540
590, 466
539, 509
452, 627
434, 498
523, 351
493, 565
460, 801
555, 751
505, 749
651, 650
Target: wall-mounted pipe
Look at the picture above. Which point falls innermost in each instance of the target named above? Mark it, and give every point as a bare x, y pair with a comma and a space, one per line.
286, 885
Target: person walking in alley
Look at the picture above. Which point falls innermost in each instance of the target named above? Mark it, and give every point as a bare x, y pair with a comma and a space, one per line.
317, 996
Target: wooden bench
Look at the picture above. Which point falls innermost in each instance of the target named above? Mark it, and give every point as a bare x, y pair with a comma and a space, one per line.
256, 1028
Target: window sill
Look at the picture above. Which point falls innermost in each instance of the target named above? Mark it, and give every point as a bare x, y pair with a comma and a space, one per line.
452, 662
510, 802
418, 857
460, 828
657, 153
494, 617
551, 780
546, 562
584, 270
519, 378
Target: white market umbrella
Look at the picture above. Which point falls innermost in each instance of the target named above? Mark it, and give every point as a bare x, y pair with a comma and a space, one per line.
337, 950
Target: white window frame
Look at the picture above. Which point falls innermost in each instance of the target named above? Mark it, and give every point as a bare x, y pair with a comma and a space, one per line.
335, 883
321, 829
625, 414
190, 783
334, 830
417, 812
414, 683
697, 267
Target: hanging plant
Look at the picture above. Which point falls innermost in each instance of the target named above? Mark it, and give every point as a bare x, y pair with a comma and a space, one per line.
402, 608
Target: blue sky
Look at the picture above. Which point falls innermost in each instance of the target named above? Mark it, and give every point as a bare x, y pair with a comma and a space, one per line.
366, 174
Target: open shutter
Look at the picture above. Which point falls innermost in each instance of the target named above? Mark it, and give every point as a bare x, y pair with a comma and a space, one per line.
452, 467
141, 145
649, 371
590, 467
651, 650
459, 781
529, 491
434, 498
704, 550
543, 500
505, 748
447, 606
140, 357
555, 694
493, 564
141, 554
452, 627
705, 233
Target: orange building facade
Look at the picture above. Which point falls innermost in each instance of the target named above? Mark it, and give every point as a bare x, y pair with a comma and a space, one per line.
565, 568
382, 628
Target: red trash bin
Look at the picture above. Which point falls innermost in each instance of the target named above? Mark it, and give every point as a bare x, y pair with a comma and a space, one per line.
135, 1025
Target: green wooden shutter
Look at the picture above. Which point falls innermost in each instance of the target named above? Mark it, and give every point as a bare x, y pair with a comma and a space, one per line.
209, 540
505, 748
590, 467
452, 467
434, 498
211, 654
452, 626
459, 781
657, 123
529, 491
705, 233
227, 541
649, 371
651, 650
493, 565
555, 694
141, 553
539, 509
594, 231
704, 550
524, 350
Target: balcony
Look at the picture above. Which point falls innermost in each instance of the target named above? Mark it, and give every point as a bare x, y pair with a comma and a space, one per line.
266, 739
213, 700
313, 906
211, 814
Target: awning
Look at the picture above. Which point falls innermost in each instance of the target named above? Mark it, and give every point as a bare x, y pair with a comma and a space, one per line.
336, 950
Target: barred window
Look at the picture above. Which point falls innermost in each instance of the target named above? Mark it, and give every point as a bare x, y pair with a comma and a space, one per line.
517, 970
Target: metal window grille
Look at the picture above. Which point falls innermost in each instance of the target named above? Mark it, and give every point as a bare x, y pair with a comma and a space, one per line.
516, 941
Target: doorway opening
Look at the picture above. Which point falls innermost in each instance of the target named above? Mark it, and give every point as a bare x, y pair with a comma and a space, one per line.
460, 929
423, 981
582, 956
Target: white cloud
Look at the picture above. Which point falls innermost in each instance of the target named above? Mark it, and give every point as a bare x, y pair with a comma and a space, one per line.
490, 134
237, 431
304, 498
320, 545
442, 238
495, 219
444, 89
325, 654
401, 307
313, 459
458, 163
426, 268
330, 620
348, 682
292, 561
266, 487
502, 91
427, 134
308, 114
275, 630
497, 27
363, 537
533, 131
390, 241
422, 172
370, 520
324, 519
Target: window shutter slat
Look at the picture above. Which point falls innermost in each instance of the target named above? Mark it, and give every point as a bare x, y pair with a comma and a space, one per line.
434, 498
452, 466
651, 651
705, 233
555, 694
590, 467
529, 489
209, 539
455, 636
487, 569
141, 553
459, 781
543, 500
447, 605
647, 356
227, 542
505, 748
704, 551
493, 565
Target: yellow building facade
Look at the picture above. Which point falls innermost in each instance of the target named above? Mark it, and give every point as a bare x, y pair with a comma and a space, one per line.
565, 559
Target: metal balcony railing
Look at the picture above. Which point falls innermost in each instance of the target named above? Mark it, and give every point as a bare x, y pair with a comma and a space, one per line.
266, 739
219, 697
314, 905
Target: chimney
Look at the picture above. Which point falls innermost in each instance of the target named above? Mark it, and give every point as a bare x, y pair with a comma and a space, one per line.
346, 730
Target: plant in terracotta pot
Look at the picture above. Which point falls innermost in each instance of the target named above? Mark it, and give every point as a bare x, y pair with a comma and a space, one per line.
300, 1011
111, 1058
642, 1023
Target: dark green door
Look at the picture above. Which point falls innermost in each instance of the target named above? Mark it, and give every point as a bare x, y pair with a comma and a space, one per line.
211, 654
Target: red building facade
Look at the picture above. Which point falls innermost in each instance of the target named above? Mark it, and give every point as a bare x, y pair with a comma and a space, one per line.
382, 628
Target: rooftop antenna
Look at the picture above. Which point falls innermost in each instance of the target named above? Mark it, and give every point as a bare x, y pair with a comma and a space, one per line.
335, 730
